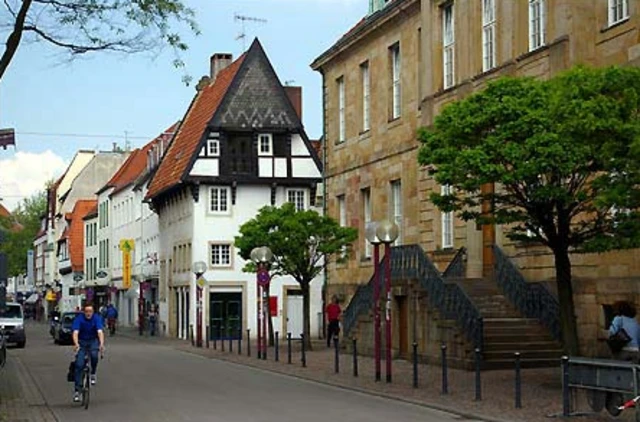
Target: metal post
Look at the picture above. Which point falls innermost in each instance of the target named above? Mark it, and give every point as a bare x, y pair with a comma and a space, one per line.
215, 342
566, 398
289, 348
191, 334
249, 342
264, 322
239, 340
337, 354
376, 309
304, 354
355, 357
199, 316
221, 340
277, 346
478, 380
208, 335
445, 379
230, 339
387, 270
518, 382
259, 322
415, 365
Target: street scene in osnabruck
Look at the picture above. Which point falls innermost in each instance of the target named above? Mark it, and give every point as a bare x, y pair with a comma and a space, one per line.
318, 210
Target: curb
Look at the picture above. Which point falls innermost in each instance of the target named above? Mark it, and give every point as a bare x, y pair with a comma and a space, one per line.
427, 405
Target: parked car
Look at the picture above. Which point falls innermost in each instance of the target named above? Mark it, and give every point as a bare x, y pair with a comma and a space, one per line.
12, 319
62, 329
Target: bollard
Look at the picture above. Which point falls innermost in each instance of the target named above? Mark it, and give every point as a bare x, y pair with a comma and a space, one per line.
208, 336
304, 352
191, 332
566, 400
215, 343
355, 357
221, 341
478, 381
415, 365
277, 349
230, 341
337, 355
248, 342
239, 341
265, 346
288, 348
518, 382
445, 379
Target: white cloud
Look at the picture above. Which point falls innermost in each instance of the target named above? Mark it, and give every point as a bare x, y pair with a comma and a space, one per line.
26, 173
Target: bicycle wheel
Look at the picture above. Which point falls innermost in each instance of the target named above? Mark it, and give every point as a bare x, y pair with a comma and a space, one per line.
86, 388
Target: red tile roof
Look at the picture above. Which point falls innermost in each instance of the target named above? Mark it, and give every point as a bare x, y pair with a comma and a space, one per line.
93, 212
4, 212
76, 232
135, 164
185, 142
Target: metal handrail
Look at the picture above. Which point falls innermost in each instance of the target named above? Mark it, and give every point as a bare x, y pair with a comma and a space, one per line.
410, 262
533, 300
456, 268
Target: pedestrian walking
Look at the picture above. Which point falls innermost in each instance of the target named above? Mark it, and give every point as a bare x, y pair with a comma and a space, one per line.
624, 333
153, 318
334, 313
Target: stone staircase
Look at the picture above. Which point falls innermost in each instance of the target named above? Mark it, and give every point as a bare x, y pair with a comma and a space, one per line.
507, 332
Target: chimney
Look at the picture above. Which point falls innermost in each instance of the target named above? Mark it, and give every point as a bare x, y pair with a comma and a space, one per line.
295, 96
219, 61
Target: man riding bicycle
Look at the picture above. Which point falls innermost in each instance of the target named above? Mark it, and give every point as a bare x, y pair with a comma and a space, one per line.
112, 316
88, 335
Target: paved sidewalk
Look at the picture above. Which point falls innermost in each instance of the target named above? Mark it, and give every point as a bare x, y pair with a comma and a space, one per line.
541, 388
20, 399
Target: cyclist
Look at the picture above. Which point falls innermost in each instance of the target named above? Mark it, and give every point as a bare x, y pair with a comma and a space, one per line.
112, 316
88, 336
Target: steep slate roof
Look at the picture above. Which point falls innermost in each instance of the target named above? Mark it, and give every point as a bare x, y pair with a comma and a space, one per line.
76, 232
186, 140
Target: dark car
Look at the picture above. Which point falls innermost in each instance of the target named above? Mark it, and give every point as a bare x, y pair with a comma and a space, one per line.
62, 329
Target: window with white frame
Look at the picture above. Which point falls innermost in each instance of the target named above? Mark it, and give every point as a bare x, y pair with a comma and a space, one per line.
618, 11
265, 144
219, 200
396, 208
220, 255
366, 211
213, 147
447, 221
341, 110
448, 45
536, 24
396, 81
342, 215
298, 198
488, 34
366, 92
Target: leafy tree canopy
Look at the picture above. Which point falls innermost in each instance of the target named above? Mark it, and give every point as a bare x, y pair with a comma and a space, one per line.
84, 26
291, 234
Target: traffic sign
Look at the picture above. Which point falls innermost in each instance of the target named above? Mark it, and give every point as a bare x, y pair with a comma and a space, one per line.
263, 277
77, 277
201, 282
101, 274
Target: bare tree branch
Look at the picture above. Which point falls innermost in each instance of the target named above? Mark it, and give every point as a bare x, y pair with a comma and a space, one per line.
13, 41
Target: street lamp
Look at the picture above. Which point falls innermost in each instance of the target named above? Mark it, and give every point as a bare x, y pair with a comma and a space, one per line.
199, 268
387, 232
372, 237
262, 256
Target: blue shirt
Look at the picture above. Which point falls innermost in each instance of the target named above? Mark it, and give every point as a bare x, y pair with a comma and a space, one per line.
630, 325
87, 328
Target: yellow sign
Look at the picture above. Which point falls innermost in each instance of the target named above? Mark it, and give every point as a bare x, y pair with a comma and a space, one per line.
126, 246
51, 296
201, 282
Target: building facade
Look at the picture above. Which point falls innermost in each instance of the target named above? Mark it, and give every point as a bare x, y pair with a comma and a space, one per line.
241, 146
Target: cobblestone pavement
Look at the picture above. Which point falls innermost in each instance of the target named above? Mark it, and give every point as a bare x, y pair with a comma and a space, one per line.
541, 388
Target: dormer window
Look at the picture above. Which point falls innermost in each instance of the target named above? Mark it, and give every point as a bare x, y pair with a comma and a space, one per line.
213, 145
265, 144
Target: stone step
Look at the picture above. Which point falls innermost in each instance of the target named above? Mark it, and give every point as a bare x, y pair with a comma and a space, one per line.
524, 355
520, 346
524, 363
516, 338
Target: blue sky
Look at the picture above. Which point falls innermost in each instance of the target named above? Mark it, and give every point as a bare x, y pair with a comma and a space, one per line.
110, 94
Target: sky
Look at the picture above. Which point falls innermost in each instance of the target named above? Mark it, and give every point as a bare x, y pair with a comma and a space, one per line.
58, 107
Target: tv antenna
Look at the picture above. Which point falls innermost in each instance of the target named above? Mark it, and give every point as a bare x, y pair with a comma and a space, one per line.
243, 34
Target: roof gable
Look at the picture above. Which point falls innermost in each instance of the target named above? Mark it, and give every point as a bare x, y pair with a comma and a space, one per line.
185, 143
256, 98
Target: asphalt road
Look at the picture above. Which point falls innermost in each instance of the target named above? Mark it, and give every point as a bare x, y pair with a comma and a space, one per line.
138, 381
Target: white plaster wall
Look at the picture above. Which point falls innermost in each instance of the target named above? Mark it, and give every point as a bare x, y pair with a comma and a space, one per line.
298, 148
205, 167
125, 226
280, 167
265, 167
304, 167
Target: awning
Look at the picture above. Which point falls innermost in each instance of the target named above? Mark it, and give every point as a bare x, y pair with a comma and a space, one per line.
32, 299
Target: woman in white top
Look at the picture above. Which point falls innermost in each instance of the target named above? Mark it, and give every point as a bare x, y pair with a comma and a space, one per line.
625, 319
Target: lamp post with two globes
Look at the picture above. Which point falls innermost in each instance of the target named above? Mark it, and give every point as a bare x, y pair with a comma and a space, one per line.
387, 233
262, 257
199, 268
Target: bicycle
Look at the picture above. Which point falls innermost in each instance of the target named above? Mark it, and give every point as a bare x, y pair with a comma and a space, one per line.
86, 377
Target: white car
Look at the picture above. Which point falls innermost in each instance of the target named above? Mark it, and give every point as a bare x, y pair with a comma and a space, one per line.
12, 320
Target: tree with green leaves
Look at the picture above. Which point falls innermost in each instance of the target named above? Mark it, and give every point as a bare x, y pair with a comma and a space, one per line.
79, 27
19, 229
301, 242
557, 162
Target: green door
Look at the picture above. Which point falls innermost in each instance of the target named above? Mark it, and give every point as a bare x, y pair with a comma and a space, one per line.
225, 316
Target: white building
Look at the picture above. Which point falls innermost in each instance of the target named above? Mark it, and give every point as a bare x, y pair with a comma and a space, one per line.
241, 146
